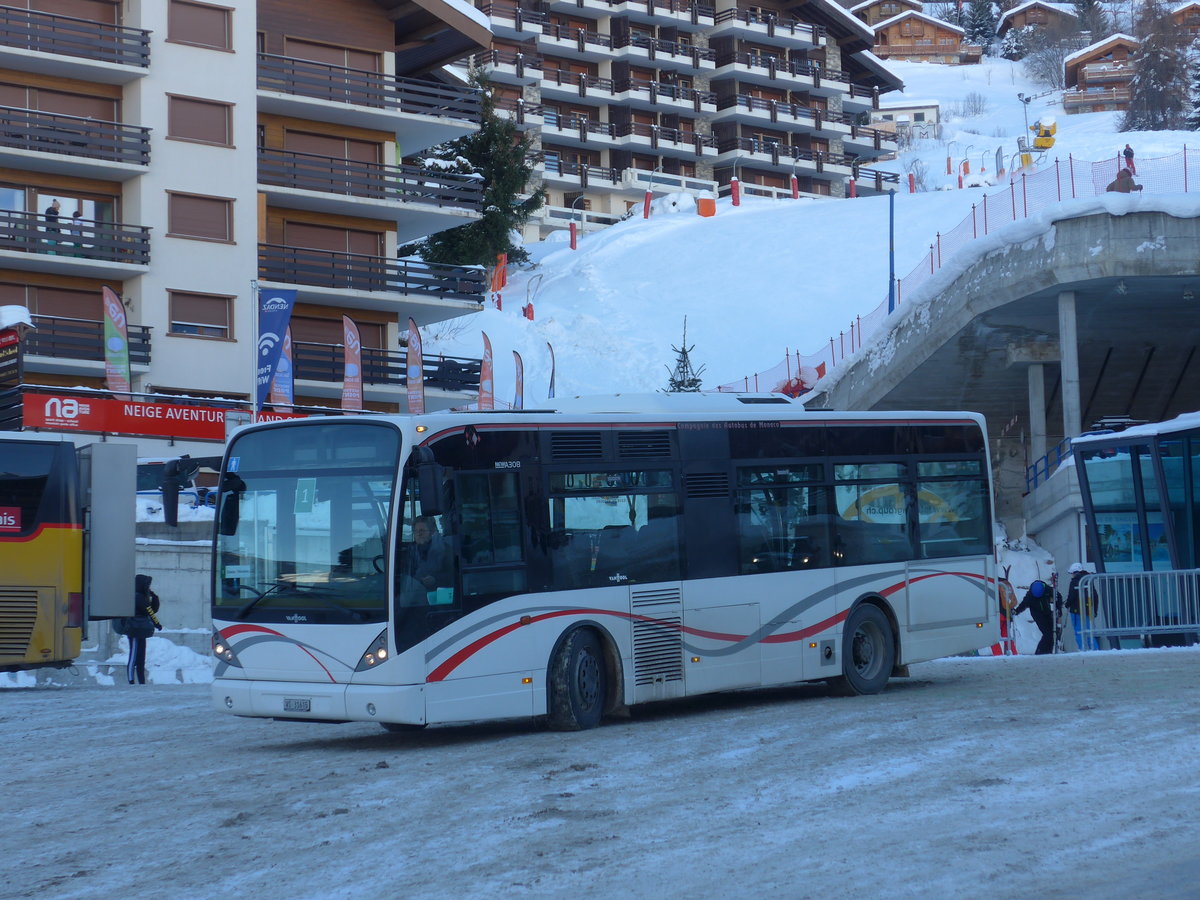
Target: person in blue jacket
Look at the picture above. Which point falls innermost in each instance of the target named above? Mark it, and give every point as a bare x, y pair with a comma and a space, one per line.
1037, 601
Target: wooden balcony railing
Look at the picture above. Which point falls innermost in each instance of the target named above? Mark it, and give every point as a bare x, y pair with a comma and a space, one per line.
785, 154
360, 87
657, 135
556, 165
655, 47
777, 65
519, 61
30, 232
1072, 99
584, 83
326, 362
308, 171
666, 90
584, 126
355, 271
773, 24
42, 32
29, 129
582, 37
513, 12
65, 338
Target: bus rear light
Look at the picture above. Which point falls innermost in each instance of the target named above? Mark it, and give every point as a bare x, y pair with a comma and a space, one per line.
375, 655
74, 610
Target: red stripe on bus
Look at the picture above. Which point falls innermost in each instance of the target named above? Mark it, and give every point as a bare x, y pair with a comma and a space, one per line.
234, 630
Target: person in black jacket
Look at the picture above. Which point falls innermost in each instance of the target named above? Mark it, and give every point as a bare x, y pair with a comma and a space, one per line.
141, 626
1080, 613
1037, 601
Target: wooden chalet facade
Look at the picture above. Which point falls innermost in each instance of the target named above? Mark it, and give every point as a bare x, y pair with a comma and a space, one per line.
1097, 77
916, 37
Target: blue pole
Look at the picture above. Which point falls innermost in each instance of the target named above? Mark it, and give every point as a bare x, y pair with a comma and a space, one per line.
891, 252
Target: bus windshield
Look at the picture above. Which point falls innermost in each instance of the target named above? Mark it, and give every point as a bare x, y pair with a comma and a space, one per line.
302, 519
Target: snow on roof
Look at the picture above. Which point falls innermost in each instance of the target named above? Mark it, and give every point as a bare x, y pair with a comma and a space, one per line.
1183, 422
912, 13
14, 315
866, 3
852, 22
1175, 9
1065, 8
870, 61
1092, 48
906, 104
471, 12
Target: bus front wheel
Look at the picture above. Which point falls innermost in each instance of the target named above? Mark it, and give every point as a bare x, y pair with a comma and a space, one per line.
578, 685
868, 653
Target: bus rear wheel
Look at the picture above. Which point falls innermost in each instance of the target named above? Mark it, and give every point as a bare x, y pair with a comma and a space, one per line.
578, 683
868, 653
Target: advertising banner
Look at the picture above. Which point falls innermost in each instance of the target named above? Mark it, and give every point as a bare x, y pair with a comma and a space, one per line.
56, 412
274, 314
116, 343
550, 396
10, 358
415, 371
283, 393
352, 367
487, 399
519, 396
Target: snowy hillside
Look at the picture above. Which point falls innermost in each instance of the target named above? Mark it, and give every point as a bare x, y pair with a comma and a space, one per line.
768, 277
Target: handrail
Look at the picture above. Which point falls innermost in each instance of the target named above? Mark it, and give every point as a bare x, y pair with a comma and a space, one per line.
663, 89
360, 272
1144, 605
362, 87
770, 21
1046, 466
309, 171
63, 337
30, 232
43, 32
31, 129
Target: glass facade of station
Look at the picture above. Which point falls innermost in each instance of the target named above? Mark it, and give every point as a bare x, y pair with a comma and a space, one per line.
1141, 496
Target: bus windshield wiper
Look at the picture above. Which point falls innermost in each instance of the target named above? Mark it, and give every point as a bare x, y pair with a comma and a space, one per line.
259, 596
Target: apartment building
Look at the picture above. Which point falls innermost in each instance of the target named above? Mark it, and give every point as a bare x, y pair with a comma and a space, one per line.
184, 153
625, 96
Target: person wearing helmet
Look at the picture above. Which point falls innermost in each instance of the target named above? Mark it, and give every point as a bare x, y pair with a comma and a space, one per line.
1037, 601
1078, 612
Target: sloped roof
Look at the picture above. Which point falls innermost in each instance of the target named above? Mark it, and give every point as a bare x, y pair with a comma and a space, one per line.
881, 76
1091, 49
1065, 9
916, 4
913, 14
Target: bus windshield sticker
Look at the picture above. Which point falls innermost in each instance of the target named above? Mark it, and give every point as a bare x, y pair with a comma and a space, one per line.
234, 463
306, 494
232, 572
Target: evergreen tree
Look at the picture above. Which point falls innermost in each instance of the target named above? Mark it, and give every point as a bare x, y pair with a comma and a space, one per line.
1016, 42
1093, 18
498, 154
980, 24
1193, 119
684, 378
1158, 91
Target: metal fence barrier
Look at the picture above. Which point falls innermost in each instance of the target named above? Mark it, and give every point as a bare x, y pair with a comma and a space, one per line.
1158, 608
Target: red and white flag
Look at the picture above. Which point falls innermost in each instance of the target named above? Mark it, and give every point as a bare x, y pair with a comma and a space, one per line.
415, 371
487, 398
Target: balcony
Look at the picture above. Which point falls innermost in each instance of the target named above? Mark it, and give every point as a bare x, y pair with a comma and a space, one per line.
566, 173
866, 141
509, 20
681, 13
1096, 101
579, 43
759, 68
423, 112
1105, 73
574, 130
561, 83
756, 110
817, 164
666, 141
526, 115
421, 202
860, 99
641, 49
75, 146
759, 25
76, 346
423, 290
95, 249
509, 66
41, 42
951, 53
642, 94
389, 368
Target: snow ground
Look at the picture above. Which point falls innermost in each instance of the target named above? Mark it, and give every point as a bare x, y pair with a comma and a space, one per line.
770, 276
1059, 776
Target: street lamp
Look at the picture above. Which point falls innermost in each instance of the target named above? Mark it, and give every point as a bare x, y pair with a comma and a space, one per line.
1025, 101
574, 228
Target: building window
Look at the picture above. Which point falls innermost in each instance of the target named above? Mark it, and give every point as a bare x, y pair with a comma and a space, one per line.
201, 315
919, 117
200, 24
205, 121
201, 218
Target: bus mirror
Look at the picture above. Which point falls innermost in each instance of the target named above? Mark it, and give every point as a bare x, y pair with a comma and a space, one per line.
229, 503
429, 482
170, 491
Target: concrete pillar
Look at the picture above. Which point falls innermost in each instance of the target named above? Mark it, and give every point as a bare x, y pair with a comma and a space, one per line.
1037, 412
1068, 348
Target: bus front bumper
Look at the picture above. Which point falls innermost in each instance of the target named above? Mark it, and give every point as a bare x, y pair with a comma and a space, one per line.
402, 704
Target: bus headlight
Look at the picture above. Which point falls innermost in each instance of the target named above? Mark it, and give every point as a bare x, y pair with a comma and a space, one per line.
375, 655
223, 652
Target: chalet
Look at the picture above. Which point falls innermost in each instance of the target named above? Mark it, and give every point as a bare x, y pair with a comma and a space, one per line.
1097, 77
1041, 14
875, 11
911, 119
916, 37
1187, 17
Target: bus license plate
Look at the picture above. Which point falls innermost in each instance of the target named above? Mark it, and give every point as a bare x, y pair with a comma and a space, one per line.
297, 705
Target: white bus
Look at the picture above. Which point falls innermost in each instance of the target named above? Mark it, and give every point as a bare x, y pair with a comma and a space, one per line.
571, 561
